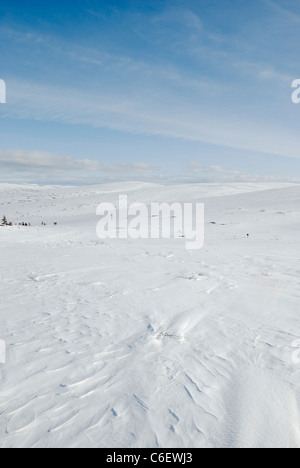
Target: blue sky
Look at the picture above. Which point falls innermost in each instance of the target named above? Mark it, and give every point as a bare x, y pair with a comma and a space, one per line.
160, 91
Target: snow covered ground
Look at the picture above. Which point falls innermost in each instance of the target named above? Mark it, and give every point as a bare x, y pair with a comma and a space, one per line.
124, 343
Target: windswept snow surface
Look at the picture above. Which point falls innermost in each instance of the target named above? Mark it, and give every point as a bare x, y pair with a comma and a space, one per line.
124, 343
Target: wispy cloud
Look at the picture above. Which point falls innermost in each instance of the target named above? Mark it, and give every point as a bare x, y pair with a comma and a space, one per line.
24, 165
104, 63
263, 71
183, 17
284, 11
21, 160
142, 115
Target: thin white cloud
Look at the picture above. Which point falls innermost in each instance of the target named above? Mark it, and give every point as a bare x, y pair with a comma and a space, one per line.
141, 114
107, 62
284, 11
19, 160
39, 160
180, 16
23, 166
263, 71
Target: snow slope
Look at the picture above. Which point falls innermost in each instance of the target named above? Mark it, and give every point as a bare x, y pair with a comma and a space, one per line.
142, 343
